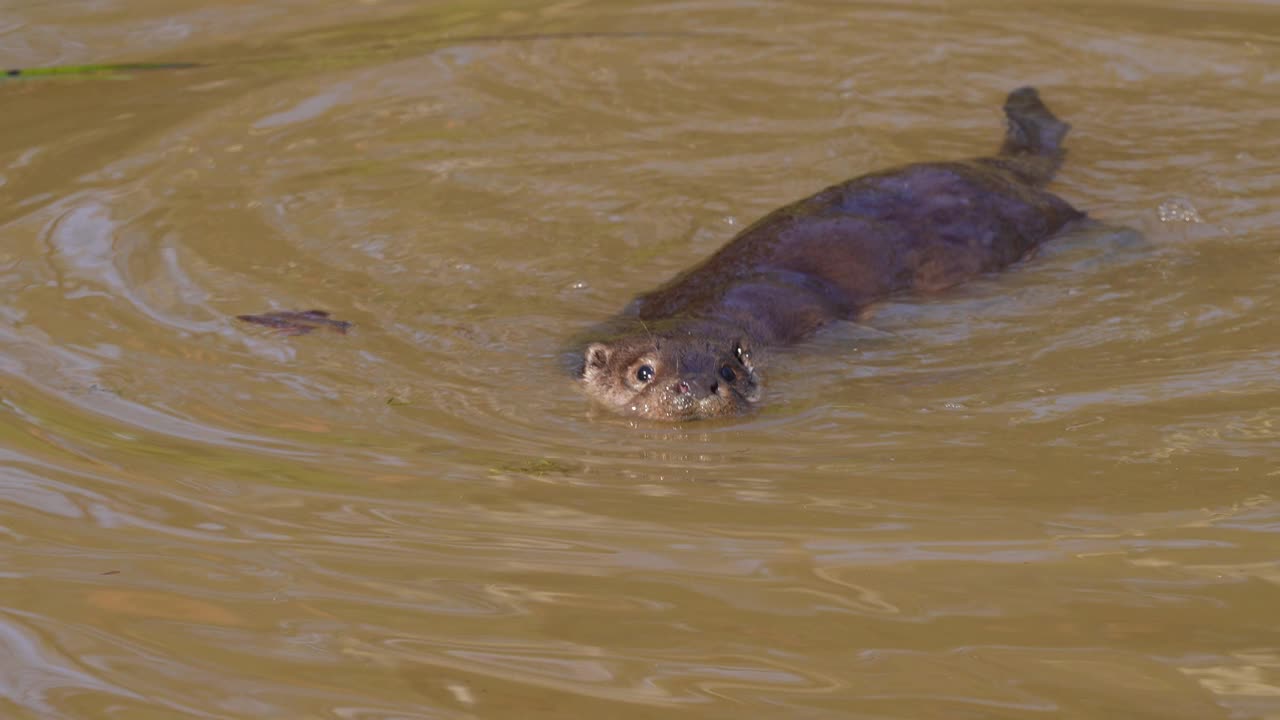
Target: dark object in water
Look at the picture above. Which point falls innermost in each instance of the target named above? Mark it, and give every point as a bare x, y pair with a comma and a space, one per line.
357, 54
295, 322
100, 69
685, 350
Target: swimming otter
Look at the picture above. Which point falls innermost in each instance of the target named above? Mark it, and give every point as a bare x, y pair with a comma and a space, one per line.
926, 226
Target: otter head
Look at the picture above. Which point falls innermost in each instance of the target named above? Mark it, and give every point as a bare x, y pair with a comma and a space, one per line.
681, 377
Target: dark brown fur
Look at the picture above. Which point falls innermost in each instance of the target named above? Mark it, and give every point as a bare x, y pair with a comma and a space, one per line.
922, 227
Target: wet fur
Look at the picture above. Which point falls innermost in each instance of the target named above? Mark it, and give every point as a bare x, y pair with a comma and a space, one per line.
922, 227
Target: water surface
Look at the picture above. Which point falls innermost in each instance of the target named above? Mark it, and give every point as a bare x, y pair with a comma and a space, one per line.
1049, 493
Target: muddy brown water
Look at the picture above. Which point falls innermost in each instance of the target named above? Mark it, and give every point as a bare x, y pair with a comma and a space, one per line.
1049, 493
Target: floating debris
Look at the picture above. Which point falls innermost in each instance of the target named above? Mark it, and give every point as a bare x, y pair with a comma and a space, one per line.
294, 322
111, 69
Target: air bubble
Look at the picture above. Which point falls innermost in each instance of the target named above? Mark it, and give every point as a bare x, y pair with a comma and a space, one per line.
1178, 210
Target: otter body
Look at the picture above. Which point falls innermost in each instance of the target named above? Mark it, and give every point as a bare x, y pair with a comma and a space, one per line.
921, 227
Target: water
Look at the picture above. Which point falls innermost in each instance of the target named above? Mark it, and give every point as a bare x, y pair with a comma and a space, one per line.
1048, 493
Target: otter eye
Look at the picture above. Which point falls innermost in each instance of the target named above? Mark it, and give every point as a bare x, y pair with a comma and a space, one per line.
727, 373
739, 353
645, 373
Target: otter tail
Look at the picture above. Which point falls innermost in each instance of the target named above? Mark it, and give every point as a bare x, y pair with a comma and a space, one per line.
1033, 143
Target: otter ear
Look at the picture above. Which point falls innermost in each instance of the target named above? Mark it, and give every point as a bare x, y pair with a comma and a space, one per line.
595, 360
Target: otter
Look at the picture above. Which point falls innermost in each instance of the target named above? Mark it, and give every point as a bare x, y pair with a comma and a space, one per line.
687, 350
